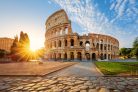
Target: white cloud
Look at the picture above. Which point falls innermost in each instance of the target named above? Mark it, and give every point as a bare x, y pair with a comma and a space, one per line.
90, 19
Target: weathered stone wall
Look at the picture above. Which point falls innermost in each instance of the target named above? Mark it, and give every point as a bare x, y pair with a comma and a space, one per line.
62, 44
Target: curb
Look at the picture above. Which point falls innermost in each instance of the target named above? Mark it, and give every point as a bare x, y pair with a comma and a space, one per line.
42, 75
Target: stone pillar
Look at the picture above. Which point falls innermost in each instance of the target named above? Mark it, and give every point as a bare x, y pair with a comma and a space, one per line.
68, 55
83, 56
75, 55
69, 29
63, 43
68, 42
62, 55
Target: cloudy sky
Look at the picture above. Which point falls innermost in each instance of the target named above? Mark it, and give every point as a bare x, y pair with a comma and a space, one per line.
118, 18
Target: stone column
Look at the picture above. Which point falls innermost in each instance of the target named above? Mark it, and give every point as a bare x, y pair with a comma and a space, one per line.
62, 55
75, 55
83, 56
68, 55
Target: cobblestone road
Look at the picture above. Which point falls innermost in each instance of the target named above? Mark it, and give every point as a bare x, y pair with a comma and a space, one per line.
68, 84
80, 69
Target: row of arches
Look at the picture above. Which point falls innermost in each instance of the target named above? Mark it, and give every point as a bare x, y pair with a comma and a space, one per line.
88, 56
55, 32
71, 56
59, 43
65, 43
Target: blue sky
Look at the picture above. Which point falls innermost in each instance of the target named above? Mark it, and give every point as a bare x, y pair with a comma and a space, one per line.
118, 18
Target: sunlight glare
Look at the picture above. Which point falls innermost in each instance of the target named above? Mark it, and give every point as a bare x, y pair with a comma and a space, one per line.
34, 46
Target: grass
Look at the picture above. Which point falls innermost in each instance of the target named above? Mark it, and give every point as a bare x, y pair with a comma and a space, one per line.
116, 68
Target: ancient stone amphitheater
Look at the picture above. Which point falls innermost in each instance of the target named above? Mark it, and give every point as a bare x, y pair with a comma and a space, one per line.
63, 44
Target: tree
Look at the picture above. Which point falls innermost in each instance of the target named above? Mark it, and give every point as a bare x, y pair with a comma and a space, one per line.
126, 52
2, 53
20, 49
14, 45
135, 47
24, 46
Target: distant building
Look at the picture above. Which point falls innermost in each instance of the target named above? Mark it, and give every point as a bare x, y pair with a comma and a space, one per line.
63, 44
6, 43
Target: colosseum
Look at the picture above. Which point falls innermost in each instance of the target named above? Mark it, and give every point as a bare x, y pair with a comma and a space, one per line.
63, 44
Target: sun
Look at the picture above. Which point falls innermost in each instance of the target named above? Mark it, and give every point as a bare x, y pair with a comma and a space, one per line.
34, 46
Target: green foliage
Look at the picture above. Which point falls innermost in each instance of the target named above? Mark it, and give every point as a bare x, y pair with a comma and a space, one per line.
14, 45
114, 68
126, 52
135, 47
2, 53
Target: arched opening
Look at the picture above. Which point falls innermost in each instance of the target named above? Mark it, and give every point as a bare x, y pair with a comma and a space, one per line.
59, 56
87, 56
54, 56
108, 47
101, 56
71, 55
105, 47
93, 56
65, 56
79, 57
108, 56
55, 44
101, 47
65, 42
59, 43
72, 42
104, 56
87, 44
81, 43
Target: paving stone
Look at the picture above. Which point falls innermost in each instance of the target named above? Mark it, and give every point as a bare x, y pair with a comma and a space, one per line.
104, 90
92, 90
83, 87
83, 91
4, 87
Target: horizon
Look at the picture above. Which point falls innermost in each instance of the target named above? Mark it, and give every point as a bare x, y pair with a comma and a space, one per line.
90, 16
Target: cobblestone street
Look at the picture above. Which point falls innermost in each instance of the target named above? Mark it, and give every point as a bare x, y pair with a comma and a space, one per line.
82, 77
68, 84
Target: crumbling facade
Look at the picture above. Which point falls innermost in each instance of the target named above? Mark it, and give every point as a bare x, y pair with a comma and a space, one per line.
62, 44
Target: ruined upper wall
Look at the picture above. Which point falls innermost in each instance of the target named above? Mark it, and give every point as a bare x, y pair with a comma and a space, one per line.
58, 18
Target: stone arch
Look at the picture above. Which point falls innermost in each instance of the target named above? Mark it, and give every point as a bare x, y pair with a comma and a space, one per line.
59, 56
101, 46
72, 42
66, 42
87, 45
104, 56
87, 56
55, 44
54, 56
59, 43
71, 55
65, 56
79, 56
108, 56
93, 56
101, 56
81, 43
108, 47
105, 47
